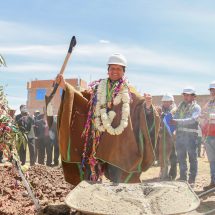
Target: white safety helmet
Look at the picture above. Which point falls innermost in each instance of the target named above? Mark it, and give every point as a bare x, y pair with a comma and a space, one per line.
212, 85
117, 59
189, 90
167, 98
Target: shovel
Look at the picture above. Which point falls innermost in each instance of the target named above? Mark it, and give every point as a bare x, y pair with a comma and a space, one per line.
49, 98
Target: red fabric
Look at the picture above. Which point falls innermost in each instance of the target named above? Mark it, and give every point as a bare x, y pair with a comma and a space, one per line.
208, 130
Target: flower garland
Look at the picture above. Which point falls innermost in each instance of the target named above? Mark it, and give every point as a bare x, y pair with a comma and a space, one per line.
100, 118
104, 119
90, 133
11, 138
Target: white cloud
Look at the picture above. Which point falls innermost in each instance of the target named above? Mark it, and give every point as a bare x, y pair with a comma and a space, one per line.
15, 102
155, 59
21, 33
104, 41
141, 56
16, 98
87, 55
88, 69
40, 51
162, 84
32, 68
87, 73
94, 53
190, 14
137, 56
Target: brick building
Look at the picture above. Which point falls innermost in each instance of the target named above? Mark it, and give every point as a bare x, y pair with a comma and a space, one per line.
37, 90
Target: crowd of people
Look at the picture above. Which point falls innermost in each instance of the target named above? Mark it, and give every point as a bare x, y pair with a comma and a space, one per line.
193, 126
112, 130
41, 140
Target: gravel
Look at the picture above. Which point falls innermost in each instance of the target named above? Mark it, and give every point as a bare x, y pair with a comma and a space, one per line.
47, 184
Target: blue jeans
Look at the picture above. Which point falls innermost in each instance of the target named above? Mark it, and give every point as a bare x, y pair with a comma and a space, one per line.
186, 143
212, 169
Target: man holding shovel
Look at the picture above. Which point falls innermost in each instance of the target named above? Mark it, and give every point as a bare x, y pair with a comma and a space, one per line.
106, 130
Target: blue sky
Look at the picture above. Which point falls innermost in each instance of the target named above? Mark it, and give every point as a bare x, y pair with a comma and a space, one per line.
168, 44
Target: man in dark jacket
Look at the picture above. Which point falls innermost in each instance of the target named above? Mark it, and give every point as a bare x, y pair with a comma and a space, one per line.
44, 145
54, 141
25, 123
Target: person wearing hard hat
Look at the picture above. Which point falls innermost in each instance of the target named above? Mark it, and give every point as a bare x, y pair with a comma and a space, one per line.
166, 145
208, 130
36, 113
186, 121
105, 129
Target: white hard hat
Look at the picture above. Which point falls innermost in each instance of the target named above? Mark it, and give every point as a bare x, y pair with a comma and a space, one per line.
117, 59
189, 90
167, 98
212, 85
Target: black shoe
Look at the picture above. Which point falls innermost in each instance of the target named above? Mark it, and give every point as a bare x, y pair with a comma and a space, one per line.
181, 179
56, 163
172, 174
50, 165
191, 182
210, 186
172, 178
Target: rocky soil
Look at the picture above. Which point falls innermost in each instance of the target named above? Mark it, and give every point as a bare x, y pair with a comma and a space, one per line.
48, 186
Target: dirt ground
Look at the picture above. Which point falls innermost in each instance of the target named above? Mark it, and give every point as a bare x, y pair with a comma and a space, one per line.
47, 184
203, 179
50, 189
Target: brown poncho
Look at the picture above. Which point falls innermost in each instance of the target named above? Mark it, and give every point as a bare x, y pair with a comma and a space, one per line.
131, 151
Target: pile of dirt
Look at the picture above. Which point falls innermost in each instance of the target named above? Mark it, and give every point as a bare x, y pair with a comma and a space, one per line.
47, 184
13, 196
